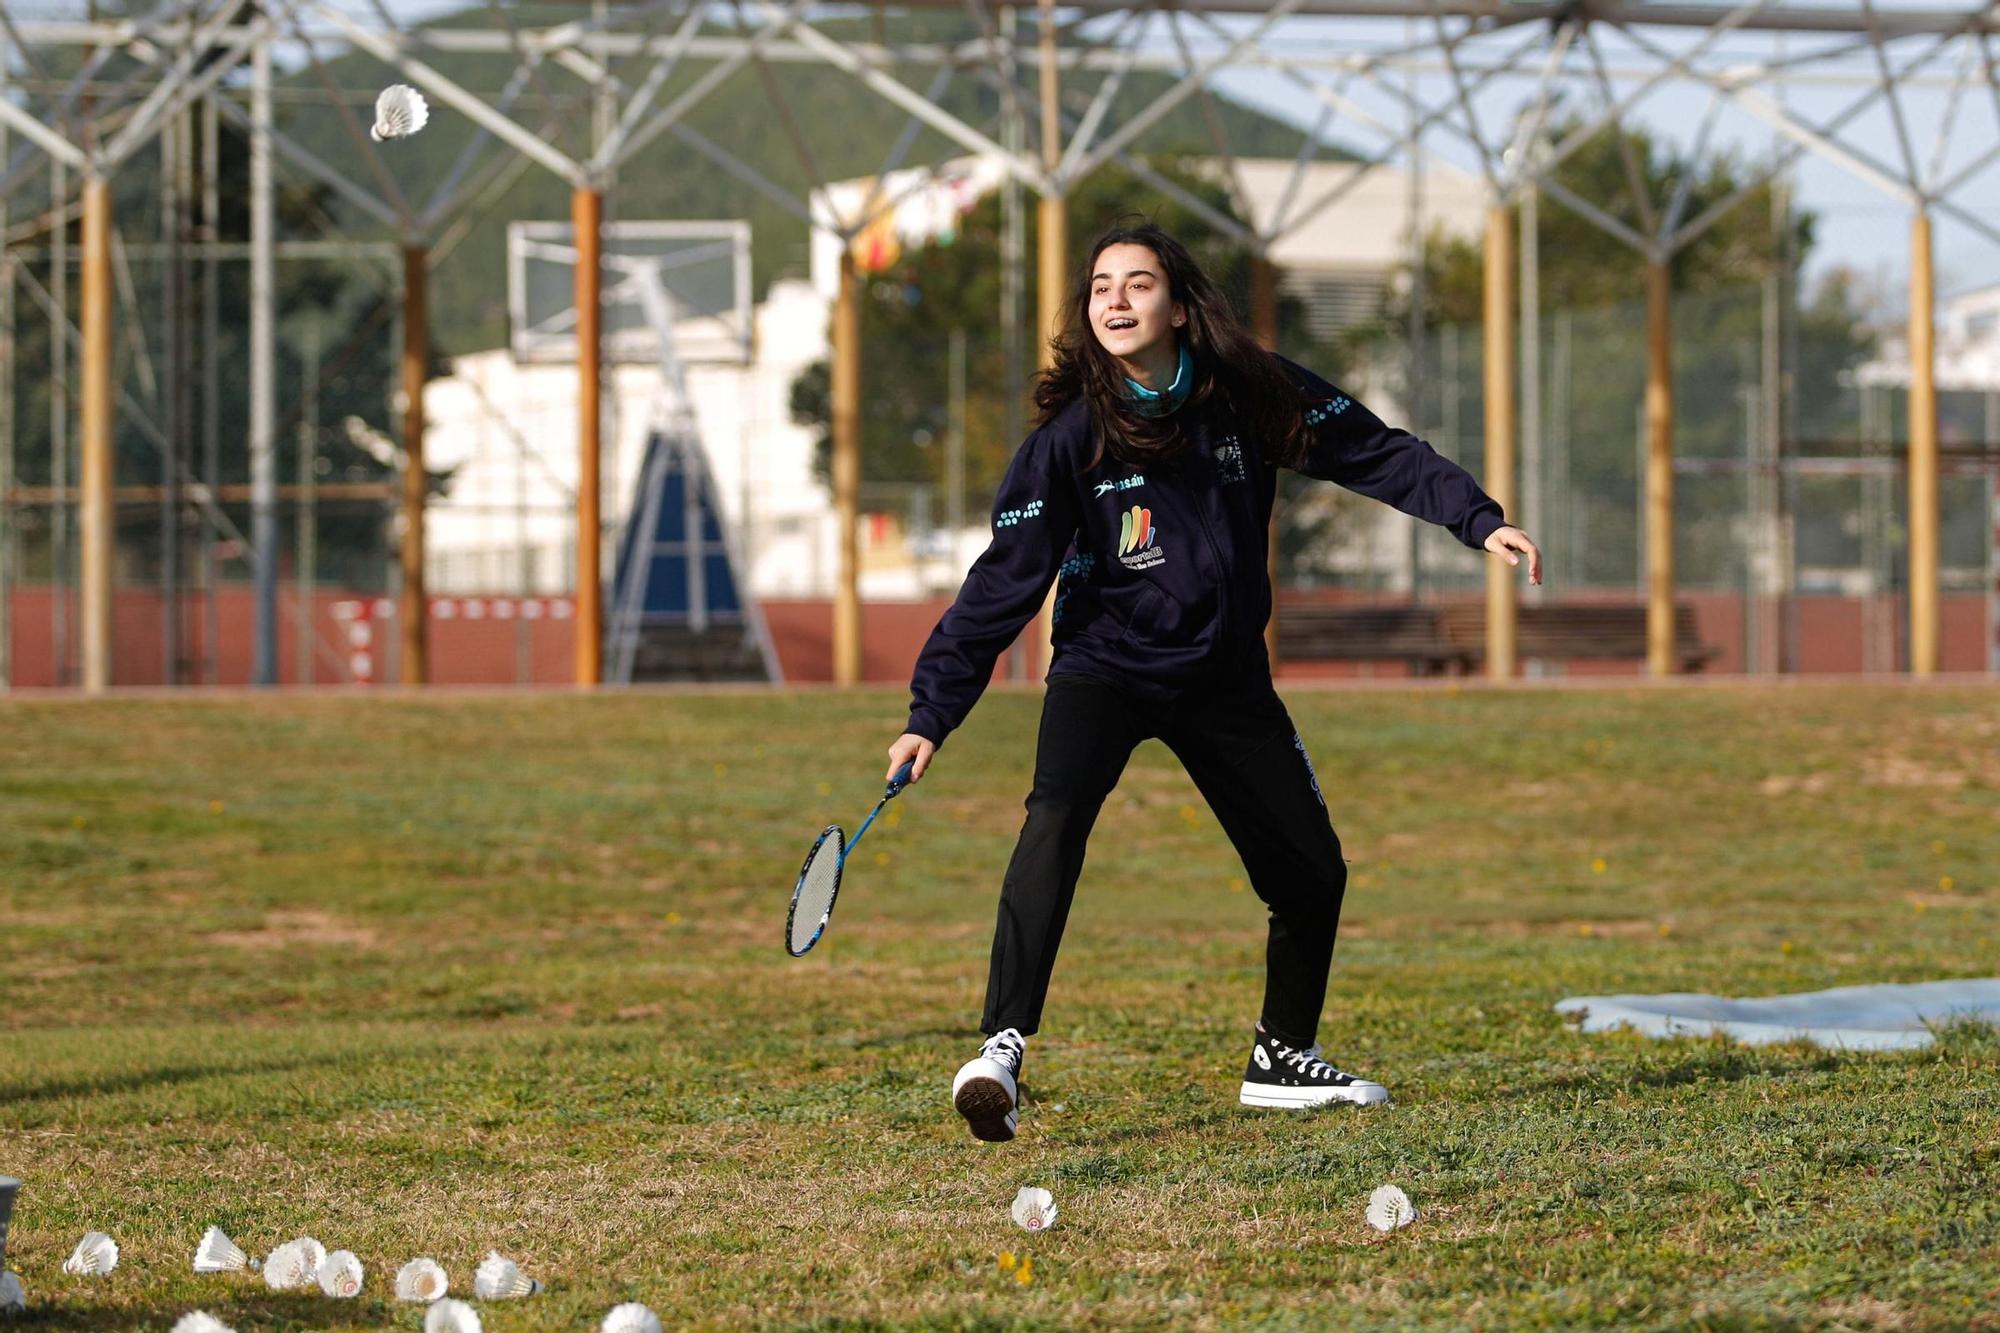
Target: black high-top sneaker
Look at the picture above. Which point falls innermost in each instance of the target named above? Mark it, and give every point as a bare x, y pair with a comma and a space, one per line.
1282, 1075
986, 1090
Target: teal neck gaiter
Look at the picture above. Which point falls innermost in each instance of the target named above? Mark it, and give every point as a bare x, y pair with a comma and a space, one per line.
1159, 402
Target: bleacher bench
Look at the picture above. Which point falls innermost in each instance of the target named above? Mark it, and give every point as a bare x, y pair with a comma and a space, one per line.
1412, 634
1437, 639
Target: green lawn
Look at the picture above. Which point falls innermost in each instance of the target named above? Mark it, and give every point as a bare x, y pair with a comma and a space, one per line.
434, 977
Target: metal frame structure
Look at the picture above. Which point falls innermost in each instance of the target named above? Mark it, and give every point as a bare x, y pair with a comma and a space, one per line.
1470, 79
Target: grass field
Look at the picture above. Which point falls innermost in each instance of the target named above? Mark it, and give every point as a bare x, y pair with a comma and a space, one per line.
437, 976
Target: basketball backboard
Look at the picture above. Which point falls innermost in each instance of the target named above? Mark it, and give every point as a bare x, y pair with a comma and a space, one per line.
703, 267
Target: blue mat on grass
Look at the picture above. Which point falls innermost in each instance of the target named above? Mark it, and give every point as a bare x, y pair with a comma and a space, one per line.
1856, 1018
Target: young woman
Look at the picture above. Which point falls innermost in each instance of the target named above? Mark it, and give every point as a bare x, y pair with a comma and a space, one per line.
1145, 492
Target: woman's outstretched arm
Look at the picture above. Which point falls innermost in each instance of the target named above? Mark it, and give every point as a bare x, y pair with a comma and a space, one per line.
1034, 520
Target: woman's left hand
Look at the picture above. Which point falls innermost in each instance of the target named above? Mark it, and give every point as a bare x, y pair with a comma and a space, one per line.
1507, 542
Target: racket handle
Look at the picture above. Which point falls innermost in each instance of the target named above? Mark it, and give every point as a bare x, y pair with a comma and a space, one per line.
902, 778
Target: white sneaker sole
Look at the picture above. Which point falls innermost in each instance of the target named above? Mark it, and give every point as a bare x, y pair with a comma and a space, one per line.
1299, 1099
984, 1093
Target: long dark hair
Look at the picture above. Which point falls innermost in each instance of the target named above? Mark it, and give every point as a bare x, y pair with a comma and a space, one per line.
1230, 369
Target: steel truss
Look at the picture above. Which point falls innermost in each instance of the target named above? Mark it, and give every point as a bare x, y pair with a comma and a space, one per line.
1465, 82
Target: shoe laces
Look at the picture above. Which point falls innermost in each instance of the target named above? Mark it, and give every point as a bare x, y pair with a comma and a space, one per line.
1007, 1046
1307, 1062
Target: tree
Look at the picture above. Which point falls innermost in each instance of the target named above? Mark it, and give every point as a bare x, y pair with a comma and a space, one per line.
908, 311
1592, 300
340, 302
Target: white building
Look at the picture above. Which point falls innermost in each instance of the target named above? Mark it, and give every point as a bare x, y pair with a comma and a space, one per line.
508, 431
1968, 346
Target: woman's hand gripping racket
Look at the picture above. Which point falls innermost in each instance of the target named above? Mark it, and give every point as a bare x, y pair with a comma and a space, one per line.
819, 878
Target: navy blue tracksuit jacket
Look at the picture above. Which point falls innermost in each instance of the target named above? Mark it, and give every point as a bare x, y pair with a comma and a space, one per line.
1162, 582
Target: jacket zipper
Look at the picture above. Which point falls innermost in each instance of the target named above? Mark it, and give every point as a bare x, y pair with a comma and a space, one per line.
1221, 576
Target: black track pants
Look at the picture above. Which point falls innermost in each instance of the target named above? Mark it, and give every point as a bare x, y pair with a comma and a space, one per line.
1245, 757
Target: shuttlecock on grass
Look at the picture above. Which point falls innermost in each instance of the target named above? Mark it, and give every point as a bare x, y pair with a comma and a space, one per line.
451, 1317
499, 1278
314, 1251
399, 112
200, 1321
1390, 1208
12, 1299
341, 1275
95, 1255
1034, 1209
219, 1254
290, 1267
421, 1280
630, 1318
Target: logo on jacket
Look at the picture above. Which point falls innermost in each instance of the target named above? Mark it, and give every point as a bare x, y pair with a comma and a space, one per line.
1135, 539
1229, 460
1007, 518
1105, 488
1339, 403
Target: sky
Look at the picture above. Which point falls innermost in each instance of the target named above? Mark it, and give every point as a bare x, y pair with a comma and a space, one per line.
1860, 226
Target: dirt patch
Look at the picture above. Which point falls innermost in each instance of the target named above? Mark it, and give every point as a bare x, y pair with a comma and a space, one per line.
1782, 784
1864, 1312
284, 929
1631, 928
1930, 900
1894, 770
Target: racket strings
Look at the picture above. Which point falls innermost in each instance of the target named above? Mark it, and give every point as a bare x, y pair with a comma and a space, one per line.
816, 890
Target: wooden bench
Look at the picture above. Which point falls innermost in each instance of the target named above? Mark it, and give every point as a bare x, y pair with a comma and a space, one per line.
1434, 640
1609, 631
1412, 634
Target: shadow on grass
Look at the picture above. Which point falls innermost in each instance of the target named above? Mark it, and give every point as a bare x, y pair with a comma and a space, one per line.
243, 1309
957, 1035
139, 1080
1682, 1062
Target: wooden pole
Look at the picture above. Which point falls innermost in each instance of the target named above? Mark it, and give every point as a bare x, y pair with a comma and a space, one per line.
1923, 453
263, 372
847, 471
586, 216
305, 523
173, 393
1053, 261
414, 614
1264, 326
95, 516
1501, 586
1659, 469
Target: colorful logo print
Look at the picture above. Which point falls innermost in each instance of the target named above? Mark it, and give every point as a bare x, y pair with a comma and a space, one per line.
1135, 539
1135, 531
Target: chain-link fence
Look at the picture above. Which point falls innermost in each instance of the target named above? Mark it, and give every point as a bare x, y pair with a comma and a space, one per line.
1790, 483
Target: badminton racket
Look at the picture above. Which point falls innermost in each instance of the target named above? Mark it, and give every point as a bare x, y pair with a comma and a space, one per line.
819, 878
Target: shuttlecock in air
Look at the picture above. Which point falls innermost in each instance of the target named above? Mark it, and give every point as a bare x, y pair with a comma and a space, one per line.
95, 1255
399, 112
630, 1318
499, 1278
451, 1317
421, 1280
201, 1322
219, 1254
1390, 1208
340, 1275
1034, 1209
290, 1266
12, 1299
